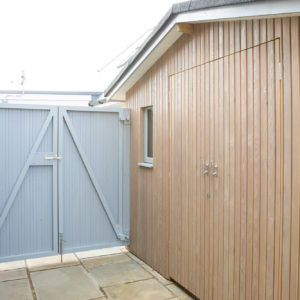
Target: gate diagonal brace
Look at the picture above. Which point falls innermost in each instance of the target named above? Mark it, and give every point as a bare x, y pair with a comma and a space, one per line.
23, 173
118, 229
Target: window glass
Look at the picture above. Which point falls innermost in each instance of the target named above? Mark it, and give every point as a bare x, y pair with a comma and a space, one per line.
150, 132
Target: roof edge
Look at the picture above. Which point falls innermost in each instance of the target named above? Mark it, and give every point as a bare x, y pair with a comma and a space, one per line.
176, 9
201, 11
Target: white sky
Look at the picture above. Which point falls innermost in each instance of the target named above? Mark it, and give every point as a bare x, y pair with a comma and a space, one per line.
61, 43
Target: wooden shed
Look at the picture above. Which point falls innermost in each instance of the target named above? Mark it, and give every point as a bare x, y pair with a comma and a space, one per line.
215, 148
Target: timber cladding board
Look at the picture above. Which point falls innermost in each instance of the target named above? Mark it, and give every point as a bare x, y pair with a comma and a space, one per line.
229, 93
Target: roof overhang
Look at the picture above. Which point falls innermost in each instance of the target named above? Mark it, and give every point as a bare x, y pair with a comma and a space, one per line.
149, 57
169, 33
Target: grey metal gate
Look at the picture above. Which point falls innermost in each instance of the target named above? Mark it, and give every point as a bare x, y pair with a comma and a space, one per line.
64, 179
94, 176
28, 186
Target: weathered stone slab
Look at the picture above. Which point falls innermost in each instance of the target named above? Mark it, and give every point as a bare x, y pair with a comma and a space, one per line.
181, 294
159, 277
50, 262
68, 283
141, 290
100, 252
90, 263
13, 275
15, 290
118, 273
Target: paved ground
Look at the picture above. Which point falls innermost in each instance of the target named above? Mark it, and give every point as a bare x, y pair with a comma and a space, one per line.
100, 274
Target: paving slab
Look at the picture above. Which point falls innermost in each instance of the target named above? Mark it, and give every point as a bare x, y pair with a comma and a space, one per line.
50, 262
159, 277
100, 252
67, 283
132, 256
119, 272
13, 275
179, 293
140, 290
90, 263
15, 290
18, 264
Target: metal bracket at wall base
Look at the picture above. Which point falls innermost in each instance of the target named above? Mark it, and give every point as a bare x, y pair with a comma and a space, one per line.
123, 237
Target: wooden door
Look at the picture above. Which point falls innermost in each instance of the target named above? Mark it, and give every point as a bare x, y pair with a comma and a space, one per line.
225, 226
189, 186
185, 180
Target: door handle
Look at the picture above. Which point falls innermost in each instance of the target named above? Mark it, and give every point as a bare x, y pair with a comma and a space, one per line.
205, 168
53, 157
214, 170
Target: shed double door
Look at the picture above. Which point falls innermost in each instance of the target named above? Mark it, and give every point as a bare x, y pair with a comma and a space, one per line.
225, 176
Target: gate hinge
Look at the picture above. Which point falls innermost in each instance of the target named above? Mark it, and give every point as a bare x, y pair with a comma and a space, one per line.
124, 115
123, 237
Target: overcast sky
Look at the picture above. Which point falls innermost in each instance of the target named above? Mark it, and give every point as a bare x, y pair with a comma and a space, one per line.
61, 43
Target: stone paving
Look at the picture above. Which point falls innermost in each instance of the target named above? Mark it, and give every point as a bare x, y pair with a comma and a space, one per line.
113, 274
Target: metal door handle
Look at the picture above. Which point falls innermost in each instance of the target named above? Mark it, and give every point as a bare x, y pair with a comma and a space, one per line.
53, 157
205, 168
214, 170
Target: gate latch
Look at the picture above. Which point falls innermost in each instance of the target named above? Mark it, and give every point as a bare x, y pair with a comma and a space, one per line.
53, 157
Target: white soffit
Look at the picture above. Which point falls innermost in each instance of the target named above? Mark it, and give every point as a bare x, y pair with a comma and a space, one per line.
170, 34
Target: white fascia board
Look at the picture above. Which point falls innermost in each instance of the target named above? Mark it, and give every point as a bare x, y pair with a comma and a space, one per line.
242, 11
170, 34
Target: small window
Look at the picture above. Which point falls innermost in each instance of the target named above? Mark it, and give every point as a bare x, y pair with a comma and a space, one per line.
148, 134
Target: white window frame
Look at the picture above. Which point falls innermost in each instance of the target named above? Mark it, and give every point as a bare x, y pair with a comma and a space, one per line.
147, 159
